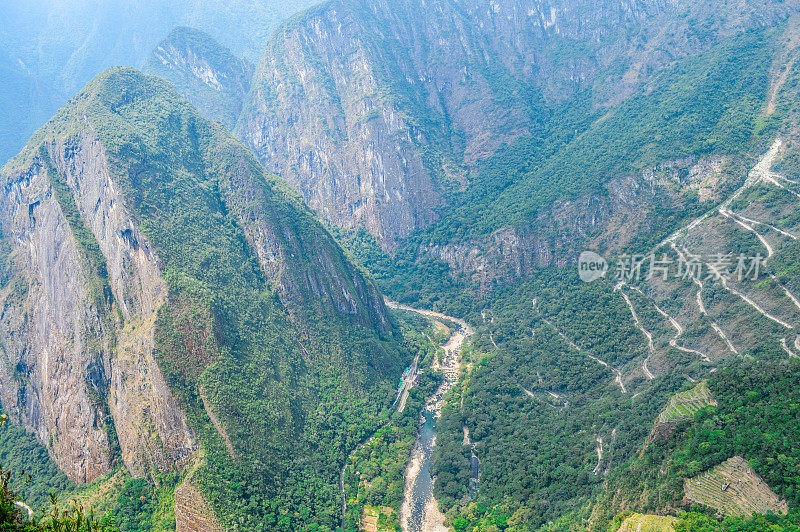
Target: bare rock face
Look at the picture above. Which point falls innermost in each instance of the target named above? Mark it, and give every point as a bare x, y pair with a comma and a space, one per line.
374, 110
54, 342
75, 367
151, 429
326, 127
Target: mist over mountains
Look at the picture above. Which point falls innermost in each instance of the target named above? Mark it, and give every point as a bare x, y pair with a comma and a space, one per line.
49, 50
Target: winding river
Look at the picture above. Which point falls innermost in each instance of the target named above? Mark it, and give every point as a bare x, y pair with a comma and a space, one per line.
420, 511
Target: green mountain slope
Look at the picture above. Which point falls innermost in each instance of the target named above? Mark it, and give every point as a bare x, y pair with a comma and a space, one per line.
62, 45
214, 330
564, 379
706, 104
278, 352
391, 121
755, 419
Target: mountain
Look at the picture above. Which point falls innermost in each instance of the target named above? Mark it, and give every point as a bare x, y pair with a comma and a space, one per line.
208, 74
61, 45
568, 379
380, 117
656, 130
181, 330
71, 41
683, 459
167, 303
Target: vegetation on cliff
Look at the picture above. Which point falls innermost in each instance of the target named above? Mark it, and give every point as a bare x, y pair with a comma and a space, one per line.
282, 356
756, 418
207, 73
536, 407
292, 353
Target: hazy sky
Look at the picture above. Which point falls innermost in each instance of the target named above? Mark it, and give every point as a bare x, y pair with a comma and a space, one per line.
49, 49
82, 34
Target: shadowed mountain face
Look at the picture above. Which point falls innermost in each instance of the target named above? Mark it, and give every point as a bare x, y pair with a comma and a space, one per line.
208, 74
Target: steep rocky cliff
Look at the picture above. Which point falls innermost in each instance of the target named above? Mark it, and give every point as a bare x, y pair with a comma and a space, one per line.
53, 339
125, 213
83, 279
633, 172
375, 111
213, 79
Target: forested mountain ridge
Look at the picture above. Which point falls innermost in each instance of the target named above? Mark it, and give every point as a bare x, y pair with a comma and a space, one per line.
174, 312
583, 370
670, 152
168, 301
59, 46
565, 379
205, 72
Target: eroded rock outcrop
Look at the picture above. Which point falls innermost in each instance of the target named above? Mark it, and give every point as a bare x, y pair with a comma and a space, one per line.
152, 430
54, 342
